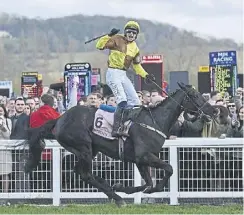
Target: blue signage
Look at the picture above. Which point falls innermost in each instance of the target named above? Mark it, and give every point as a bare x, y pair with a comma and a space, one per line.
77, 80
222, 58
84, 68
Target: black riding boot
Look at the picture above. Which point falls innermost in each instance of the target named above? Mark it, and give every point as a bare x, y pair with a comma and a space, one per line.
118, 123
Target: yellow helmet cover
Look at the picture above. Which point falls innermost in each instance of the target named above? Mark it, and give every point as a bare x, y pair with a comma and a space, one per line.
133, 25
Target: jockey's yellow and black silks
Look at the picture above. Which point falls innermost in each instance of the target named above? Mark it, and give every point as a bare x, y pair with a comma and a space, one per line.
122, 53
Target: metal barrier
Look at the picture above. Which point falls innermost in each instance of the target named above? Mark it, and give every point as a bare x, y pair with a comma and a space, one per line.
203, 168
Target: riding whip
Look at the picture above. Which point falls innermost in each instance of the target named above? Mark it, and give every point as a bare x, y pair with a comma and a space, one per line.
95, 38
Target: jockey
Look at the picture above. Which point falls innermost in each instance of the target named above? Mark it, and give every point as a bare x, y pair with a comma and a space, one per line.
123, 53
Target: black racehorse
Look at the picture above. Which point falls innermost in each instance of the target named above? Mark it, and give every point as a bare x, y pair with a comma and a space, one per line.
147, 134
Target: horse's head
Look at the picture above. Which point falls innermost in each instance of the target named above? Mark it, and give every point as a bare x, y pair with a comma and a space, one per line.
195, 102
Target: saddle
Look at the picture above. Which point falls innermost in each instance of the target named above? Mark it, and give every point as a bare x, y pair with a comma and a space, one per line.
104, 119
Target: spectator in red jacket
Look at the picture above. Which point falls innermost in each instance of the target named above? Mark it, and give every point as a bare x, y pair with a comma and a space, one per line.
45, 113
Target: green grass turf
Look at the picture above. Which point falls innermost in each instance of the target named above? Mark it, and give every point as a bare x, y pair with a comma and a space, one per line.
129, 209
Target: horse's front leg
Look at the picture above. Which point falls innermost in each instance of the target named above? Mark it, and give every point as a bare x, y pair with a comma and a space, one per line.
145, 174
156, 162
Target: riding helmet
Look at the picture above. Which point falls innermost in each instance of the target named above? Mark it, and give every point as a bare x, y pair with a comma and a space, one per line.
132, 25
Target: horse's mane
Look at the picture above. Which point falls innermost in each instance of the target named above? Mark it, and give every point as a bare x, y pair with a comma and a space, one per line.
159, 103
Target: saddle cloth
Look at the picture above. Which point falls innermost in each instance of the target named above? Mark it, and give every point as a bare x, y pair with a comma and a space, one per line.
103, 124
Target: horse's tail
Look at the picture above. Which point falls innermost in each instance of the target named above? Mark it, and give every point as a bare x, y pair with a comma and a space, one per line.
42, 132
36, 144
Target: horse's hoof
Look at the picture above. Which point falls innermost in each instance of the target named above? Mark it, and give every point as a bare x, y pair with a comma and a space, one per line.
111, 200
120, 203
117, 187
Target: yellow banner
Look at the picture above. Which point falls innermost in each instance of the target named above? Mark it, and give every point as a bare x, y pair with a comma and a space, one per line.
203, 69
39, 77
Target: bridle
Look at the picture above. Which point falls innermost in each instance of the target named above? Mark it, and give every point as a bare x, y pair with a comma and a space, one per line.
199, 110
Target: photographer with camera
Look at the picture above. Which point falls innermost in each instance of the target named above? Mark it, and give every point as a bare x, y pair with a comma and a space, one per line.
5, 155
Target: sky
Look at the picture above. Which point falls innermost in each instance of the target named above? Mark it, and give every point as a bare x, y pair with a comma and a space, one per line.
218, 18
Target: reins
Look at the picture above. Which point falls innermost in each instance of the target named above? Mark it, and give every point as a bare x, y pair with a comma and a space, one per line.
199, 109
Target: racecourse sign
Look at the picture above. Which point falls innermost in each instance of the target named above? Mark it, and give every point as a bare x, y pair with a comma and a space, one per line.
223, 71
222, 58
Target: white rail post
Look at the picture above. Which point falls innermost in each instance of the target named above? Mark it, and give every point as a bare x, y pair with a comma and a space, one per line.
137, 182
56, 176
173, 193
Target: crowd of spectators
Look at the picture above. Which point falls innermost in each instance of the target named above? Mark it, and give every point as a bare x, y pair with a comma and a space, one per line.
229, 122
16, 116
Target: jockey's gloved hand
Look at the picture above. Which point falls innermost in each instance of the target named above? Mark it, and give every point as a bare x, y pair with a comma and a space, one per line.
150, 78
113, 32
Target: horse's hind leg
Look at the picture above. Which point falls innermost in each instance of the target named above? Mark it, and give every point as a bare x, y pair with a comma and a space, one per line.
99, 179
84, 169
154, 161
145, 174
35, 151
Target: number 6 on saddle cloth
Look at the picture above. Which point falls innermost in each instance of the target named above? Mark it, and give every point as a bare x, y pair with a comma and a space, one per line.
104, 119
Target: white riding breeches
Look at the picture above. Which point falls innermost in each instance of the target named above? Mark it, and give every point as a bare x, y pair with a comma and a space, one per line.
122, 87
